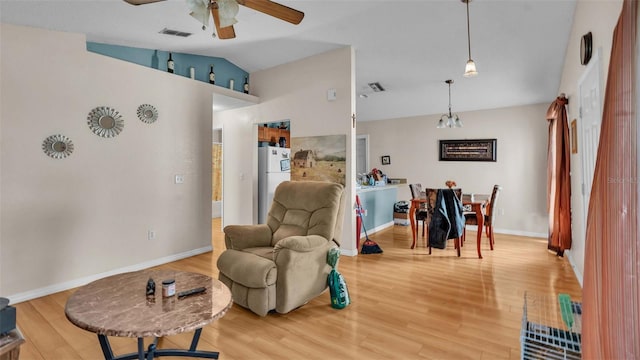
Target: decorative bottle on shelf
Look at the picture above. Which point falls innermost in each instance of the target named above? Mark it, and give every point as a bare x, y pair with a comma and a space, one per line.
246, 85
212, 76
170, 65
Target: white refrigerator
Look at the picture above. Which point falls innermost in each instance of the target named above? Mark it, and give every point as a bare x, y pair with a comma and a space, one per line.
274, 167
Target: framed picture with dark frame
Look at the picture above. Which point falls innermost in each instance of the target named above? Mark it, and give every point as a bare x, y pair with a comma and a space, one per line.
386, 160
468, 150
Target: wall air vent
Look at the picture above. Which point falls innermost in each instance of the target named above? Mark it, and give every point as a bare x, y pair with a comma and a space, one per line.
376, 87
175, 32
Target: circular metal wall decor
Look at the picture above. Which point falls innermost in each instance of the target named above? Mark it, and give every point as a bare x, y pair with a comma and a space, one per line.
57, 146
586, 47
147, 113
105, 121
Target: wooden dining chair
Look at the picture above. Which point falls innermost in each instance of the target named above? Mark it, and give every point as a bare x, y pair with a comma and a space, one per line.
470, 218
422, 214
448, 201
458, 192
431, 195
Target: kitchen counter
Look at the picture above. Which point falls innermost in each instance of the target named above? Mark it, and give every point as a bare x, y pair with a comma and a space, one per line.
367, 188
377, 202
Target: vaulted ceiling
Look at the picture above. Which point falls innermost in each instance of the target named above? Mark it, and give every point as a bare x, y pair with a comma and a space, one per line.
409, 47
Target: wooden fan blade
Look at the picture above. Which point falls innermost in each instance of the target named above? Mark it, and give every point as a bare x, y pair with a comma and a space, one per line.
225, 32
141, 2
274, 9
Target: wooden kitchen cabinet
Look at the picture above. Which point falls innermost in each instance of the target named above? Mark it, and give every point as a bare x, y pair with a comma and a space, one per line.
269, 134
263, 133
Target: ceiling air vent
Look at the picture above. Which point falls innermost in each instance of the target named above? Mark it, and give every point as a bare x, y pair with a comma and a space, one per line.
376, 87
175, 32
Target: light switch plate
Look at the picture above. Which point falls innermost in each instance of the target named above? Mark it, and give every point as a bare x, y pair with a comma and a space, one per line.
179, 179
332, 94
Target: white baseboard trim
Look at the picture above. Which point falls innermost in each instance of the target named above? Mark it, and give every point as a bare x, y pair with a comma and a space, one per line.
576, 271
51, 289
363, 235
350, 252
377, 228
470, 227
512, 232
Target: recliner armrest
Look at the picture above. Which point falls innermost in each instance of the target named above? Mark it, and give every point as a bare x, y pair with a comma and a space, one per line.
302, 269
240, 237
301, 243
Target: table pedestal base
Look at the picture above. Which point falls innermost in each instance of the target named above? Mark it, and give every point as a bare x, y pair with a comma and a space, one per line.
152, 352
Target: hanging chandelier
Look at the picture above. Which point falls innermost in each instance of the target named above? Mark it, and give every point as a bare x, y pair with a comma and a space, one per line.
449, 120
470, 68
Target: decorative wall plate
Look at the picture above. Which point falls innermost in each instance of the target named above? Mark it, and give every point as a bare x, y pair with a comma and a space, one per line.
57, 146
105, 121
147, 113
586, 47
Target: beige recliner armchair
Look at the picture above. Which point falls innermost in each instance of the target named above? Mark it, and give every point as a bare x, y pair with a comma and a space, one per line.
282, 264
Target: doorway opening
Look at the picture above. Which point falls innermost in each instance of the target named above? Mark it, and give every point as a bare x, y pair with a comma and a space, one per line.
362, 155
216, 174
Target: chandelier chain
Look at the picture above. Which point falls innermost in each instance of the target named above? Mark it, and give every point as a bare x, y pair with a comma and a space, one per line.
449, 82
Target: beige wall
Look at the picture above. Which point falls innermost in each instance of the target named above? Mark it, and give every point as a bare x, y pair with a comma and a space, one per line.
65, 221
296, 91
521, 134
599, 17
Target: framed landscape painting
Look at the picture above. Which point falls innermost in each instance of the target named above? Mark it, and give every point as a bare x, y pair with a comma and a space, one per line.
322, 158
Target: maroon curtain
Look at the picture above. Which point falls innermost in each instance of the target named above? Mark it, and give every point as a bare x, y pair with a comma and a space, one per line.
558, 178
611, 293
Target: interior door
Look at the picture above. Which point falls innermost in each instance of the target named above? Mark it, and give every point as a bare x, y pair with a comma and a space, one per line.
590, 115
589, 90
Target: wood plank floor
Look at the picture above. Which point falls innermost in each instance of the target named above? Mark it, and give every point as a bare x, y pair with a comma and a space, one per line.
405, 305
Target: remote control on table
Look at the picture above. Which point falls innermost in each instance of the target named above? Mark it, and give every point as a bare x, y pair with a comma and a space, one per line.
195, 291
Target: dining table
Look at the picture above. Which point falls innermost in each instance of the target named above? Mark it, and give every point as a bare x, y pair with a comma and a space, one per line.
471, 203
476, 203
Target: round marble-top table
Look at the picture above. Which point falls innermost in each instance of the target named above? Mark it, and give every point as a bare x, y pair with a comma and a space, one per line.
118, 306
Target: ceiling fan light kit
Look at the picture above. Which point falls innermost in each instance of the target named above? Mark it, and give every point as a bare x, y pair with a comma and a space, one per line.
449, 120
199, 11
224, 13
470, 69
228, 9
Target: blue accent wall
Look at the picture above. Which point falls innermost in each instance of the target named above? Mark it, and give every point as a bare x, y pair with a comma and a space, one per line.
379, 205
157, 59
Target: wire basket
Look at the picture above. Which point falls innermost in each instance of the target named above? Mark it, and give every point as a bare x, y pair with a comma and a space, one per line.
551, 328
